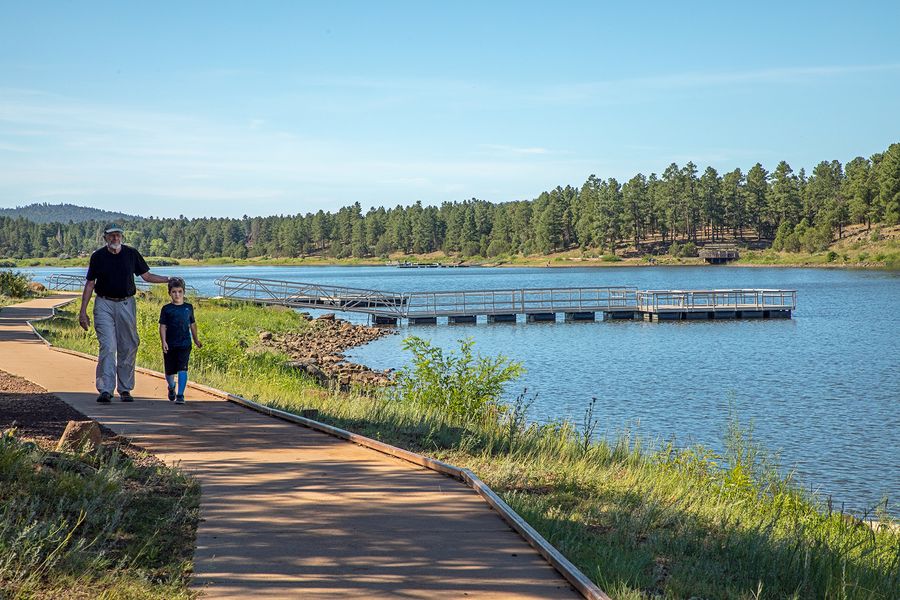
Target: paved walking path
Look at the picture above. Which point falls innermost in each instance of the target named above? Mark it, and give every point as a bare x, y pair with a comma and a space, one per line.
289, 512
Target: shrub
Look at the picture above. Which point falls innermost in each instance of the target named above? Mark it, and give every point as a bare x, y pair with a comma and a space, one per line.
689, 249
876, 235
831, 256
13, 284
460, 384
610, 258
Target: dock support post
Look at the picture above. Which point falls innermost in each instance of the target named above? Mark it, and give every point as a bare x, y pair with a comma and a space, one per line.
382, 320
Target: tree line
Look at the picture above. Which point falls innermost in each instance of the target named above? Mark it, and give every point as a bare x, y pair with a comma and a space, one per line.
792, 210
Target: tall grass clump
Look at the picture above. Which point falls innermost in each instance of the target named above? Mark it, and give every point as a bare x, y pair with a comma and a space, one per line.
92, 524
642, 520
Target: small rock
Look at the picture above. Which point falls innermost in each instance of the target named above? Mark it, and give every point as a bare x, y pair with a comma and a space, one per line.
326, 317
79, 433
36, 287
265, 336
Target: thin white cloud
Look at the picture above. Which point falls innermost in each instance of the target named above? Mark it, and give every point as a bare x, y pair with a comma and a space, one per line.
516, 150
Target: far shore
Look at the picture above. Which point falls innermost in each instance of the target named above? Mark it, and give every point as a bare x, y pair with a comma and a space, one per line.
781, 260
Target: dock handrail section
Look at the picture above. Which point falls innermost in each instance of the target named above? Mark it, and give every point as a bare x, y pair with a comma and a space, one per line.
519, 301
700, 300
70, 282
311, 295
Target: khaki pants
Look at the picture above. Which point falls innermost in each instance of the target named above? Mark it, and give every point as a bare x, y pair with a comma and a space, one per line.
116, 327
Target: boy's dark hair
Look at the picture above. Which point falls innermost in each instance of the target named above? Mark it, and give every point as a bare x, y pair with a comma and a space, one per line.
176, 282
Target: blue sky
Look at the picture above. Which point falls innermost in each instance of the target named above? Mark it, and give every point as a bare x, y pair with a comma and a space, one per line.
232, 108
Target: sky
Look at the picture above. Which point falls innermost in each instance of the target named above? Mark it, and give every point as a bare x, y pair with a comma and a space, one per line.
237, 108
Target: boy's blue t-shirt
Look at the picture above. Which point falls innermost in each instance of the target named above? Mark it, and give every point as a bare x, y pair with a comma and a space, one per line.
177, 318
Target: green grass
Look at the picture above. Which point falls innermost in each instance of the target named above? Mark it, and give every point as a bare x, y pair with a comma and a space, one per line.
92, 525
640, 521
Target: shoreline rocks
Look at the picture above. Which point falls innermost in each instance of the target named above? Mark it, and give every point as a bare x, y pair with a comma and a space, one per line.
318, 351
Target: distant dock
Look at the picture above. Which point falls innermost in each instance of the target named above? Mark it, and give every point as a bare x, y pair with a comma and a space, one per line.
535, 305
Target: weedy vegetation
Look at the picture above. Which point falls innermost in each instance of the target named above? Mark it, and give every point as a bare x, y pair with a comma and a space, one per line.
92, 524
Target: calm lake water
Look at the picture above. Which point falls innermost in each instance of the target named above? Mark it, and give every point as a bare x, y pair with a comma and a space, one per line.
822, 389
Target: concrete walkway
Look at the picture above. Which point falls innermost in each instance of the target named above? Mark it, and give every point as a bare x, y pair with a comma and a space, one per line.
292, 513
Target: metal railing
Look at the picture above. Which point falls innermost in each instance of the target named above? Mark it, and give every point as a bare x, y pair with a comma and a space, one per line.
312, 295
521, 301
700, 300
70, 282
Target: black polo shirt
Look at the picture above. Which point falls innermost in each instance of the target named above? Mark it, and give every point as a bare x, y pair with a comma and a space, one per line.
115, 272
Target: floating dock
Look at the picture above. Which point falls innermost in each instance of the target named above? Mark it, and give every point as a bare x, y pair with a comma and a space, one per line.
533, 305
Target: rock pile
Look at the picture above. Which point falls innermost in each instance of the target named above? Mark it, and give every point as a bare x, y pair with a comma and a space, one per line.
318, 351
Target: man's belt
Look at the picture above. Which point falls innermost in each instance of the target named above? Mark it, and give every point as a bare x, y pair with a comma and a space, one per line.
115, 299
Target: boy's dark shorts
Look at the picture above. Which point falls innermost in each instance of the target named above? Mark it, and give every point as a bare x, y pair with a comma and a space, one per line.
176, 359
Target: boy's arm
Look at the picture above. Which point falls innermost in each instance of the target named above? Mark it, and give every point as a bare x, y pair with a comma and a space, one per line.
162, 337
194, 335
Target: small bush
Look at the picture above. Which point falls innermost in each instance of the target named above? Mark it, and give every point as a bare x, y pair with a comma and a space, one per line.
13, 284
689, 249
831, 256
459, 384
876, 235
610, 258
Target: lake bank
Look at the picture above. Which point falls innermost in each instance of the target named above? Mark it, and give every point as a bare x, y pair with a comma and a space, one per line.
637, 520
820, 387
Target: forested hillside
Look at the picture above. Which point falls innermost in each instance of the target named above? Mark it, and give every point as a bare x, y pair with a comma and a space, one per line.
62, 213
791, 210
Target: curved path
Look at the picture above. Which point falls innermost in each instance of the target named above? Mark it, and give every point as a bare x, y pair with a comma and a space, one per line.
288, 512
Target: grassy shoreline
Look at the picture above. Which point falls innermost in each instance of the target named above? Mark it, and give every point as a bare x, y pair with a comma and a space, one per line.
640, 521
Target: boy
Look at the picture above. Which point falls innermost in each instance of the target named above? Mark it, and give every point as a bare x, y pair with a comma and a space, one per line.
176, 328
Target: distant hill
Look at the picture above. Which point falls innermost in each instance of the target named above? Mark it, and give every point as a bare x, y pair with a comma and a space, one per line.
63, 213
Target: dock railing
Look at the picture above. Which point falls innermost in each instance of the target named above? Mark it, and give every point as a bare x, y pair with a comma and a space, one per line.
70, 282
700, 300
312, 295
519, 301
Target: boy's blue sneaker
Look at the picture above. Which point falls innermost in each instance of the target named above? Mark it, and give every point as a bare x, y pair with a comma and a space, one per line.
172, 394
179, 399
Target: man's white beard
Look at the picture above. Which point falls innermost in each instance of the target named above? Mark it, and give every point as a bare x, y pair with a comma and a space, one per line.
115, 247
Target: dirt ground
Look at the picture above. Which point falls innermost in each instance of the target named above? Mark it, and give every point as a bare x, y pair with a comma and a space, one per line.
42, 417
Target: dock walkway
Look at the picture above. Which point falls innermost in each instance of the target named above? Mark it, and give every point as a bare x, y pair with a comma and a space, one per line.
505, 305
289, 512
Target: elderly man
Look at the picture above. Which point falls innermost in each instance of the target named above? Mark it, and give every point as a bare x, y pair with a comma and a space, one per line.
111, 274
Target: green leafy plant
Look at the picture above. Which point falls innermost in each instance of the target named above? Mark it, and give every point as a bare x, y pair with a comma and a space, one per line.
459, 383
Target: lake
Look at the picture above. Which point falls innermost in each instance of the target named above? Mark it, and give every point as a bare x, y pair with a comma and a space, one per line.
822, 389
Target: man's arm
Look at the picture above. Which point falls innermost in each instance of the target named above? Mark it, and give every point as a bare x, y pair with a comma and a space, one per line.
152, 278
83, 318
